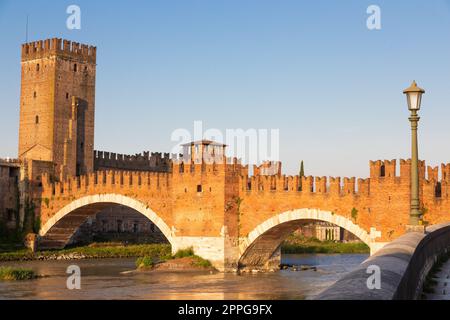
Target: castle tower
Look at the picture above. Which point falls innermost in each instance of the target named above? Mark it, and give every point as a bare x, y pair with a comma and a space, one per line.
57, 105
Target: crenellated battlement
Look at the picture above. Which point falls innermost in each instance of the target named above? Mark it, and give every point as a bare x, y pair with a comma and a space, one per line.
55, 46
10, 162
388, 169
383, 176
108, 179
148, 166
267, 168
146, 161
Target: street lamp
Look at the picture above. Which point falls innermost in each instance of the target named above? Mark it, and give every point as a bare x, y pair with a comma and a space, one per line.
414, 98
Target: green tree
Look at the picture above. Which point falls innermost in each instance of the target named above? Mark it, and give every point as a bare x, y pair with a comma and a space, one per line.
301, 174
302, 169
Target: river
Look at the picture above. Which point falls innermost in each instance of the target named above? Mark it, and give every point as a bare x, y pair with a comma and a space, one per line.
104, 279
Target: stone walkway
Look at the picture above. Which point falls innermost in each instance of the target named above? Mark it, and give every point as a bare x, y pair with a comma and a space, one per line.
442, 288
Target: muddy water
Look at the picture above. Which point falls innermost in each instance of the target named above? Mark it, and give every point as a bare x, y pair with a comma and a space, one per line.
105, 279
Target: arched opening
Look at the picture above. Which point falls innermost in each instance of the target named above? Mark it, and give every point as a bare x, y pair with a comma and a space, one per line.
118, 224
103, 217
262, 248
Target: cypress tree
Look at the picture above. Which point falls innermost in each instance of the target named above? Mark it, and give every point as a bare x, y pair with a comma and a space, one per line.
302, 170
301, 174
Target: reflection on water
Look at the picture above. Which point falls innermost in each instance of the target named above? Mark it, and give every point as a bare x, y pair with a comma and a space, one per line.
103, 279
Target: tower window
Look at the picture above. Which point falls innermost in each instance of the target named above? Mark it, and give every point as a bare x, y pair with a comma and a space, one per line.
199, 188
37, 67
34, 94
36, 120
75, 67
10, 214
67, 95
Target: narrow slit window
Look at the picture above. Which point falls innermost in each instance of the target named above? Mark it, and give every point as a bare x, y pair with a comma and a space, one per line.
75, 67
36, 120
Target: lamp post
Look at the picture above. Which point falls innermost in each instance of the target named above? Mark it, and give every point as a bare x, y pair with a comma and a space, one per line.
414, 98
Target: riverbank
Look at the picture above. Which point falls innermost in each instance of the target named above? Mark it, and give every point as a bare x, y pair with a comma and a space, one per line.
93, 251
293, 245
297, 244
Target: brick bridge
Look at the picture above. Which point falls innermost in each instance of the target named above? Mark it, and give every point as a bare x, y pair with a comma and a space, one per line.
236, 220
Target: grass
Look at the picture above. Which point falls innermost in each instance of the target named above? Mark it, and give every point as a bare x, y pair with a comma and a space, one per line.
148, 262
200, 262
297, 244
183, 253
16, 274
93, 252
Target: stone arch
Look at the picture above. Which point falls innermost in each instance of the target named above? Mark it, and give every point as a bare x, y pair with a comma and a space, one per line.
89, 205
260, 247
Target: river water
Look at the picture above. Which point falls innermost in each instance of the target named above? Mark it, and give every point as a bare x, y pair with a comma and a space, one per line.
108, 279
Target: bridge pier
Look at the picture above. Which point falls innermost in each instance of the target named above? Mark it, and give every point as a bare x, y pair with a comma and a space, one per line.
222, 252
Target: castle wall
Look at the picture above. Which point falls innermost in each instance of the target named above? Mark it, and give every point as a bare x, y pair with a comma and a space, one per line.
198, 199
146, 161
381, 201
9, 193
152, 189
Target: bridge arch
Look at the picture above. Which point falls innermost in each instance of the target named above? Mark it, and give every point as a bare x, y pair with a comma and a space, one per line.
79, 209
259, 248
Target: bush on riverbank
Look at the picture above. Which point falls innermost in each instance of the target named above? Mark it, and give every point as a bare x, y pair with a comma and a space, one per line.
297, 244
145, 262
92, 252
182, 253
196, 261
15, 274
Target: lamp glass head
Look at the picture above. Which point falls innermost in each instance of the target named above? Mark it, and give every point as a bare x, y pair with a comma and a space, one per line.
414, 96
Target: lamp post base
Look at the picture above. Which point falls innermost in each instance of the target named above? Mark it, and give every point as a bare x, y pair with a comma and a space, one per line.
415, 228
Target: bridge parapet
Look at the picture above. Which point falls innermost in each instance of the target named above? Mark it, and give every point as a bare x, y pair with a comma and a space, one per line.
305, 185
96, 181
403, 264
383, 173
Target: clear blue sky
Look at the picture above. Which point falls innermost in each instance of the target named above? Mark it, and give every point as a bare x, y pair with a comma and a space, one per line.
310, 68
